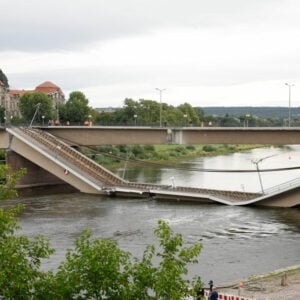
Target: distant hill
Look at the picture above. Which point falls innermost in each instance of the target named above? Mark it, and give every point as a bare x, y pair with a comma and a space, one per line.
259, 111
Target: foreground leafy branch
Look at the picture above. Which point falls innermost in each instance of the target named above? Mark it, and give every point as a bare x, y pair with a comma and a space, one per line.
8, 181
94, 268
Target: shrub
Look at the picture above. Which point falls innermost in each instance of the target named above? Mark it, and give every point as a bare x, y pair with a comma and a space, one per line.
190, 147
209, 148
149, 148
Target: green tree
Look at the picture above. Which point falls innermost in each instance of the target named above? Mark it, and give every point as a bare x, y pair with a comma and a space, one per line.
96, 268
104, 118
3, 79
20, 257
99, 269
167, 279
228, 121
200, 112
77, 109
8, 182
2, 114
28, 105
190, 113
125, 115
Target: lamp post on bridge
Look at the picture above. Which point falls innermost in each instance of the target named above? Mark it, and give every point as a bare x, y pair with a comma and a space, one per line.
160, 107
185, 119
289, 86
256, 162
135, 117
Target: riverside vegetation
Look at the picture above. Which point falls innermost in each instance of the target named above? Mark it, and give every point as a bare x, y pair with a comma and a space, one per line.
94, 268
111, 156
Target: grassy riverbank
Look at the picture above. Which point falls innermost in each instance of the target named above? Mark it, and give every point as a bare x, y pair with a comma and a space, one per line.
114, 156
169, 152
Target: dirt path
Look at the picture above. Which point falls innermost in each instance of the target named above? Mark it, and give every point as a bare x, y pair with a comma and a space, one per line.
282, 284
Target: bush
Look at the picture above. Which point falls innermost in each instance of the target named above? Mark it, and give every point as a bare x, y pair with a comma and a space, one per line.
137, 150
149, 148
95, 269
209, 148
20, 261
190, 147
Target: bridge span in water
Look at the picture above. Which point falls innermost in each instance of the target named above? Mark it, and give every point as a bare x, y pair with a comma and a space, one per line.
50, 159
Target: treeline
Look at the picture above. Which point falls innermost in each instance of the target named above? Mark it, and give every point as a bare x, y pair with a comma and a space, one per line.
76, 111
258, 111
147, 113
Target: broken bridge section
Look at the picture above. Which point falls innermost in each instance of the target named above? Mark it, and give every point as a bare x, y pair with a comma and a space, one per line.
59, 162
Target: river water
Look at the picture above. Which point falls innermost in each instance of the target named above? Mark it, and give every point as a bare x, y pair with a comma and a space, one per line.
237, 241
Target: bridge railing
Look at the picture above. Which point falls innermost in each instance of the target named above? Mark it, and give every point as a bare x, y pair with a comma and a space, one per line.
283, 186
77, 159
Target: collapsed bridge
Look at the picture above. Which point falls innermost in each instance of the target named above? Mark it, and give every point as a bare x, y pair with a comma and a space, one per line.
56, 161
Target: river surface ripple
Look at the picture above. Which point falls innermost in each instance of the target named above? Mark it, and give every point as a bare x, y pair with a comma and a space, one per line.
237, 241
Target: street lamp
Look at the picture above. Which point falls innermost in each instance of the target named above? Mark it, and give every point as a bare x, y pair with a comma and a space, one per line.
256, 162
185, 118
43, 118
290, 86
160, 109
35, 113
135, 116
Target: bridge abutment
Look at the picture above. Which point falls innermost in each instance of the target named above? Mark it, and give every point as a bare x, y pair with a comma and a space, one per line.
35, 175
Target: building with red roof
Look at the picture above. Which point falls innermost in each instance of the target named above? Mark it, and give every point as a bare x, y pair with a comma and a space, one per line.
9, 98
52, 90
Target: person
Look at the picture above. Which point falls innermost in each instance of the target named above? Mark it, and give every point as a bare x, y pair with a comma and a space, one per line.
213, 294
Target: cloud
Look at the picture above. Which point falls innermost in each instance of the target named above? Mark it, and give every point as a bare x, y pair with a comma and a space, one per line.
35, 25
115, 49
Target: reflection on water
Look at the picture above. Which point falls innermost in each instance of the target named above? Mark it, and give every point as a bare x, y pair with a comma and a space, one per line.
249, 182
238, 241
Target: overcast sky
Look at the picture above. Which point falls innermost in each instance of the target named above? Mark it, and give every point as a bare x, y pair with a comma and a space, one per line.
204, 52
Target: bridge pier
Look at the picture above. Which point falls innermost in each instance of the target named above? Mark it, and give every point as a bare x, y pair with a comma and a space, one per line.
35, 175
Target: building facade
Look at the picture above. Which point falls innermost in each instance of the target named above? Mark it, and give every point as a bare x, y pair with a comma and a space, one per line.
9, 99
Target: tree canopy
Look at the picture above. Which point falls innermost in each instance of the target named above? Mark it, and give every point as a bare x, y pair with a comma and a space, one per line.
4, 79
76, 109
147, 112
28, 105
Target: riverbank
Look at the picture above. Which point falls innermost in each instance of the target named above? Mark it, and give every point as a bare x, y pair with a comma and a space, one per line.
113, 157
278, 285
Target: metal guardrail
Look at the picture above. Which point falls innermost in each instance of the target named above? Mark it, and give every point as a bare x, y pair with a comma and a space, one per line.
283, 186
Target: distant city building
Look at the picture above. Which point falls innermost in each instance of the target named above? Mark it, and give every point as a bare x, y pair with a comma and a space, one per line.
53, 91
5, 100
9, 98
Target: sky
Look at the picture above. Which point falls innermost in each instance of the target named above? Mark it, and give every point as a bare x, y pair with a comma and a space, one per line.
203, 52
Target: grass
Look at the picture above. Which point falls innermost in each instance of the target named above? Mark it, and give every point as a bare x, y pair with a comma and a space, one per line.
176, 152
160, 153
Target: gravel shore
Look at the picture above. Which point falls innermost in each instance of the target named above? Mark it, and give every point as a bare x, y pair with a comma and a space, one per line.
283, 284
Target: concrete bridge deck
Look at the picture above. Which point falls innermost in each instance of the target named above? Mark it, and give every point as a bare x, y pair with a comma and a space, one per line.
65, 163
116, 135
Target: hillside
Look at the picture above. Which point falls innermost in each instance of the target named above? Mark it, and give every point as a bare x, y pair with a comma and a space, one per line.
259, 111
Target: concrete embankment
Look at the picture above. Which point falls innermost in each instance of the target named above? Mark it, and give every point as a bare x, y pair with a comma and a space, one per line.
279, 284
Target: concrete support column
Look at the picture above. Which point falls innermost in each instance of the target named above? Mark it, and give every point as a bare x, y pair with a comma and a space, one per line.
35, 175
